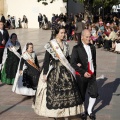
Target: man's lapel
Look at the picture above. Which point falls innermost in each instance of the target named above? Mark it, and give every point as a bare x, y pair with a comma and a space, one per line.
0, 33
91, 50
82, 52
3, 32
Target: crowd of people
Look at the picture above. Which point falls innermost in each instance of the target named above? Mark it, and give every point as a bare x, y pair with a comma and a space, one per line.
104, 32
59, 86
12, 23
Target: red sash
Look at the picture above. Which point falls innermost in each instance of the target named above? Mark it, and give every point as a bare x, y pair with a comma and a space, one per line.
2, 46
77, 73
89, 71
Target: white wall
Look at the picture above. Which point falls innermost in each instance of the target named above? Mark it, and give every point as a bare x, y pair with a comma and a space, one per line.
31, 8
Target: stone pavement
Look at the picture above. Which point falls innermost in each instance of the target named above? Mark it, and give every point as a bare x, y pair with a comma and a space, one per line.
17, 107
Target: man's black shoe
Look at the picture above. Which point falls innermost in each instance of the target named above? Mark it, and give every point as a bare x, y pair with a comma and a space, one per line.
92, 116
83, 116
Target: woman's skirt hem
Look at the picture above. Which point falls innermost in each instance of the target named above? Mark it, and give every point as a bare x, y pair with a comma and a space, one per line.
66, 112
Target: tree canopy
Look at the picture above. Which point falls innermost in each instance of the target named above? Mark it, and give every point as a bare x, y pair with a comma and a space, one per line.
92, 3
89, 5
100, 2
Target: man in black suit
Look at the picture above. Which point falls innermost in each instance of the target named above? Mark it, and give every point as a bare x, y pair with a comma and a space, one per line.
40, 18
83, 60
4, 36
3, 19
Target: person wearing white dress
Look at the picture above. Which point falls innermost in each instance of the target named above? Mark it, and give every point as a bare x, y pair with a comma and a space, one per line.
28, 72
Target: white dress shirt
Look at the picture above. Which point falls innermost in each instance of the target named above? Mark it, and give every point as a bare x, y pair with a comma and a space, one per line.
1, 31
89, 54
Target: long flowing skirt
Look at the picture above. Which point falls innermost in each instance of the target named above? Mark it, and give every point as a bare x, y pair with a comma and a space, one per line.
4, 78
31, 76
18, 87
9, 68
24, 84
59, 96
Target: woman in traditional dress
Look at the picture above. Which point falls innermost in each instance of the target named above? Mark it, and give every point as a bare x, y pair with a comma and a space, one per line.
10, 60
28, 72
57, 93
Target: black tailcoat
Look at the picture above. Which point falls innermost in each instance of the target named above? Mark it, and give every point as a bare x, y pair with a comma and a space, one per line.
79, 55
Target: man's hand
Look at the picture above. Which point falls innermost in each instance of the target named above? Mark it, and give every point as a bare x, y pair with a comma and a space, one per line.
87, 75
79, 65
3, 42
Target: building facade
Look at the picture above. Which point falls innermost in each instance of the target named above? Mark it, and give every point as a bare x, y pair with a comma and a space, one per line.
32, 8
1, 7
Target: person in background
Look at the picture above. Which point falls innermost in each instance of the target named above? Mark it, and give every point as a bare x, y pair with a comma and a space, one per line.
40, 18
8, 22
13, 22
11, 58
45, 22
53, 20
109, 39
4, 36
3, 19
25, 22
19, 23
28, 72
78, 30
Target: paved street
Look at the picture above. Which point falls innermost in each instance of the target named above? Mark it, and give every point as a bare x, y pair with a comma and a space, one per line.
17, 107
